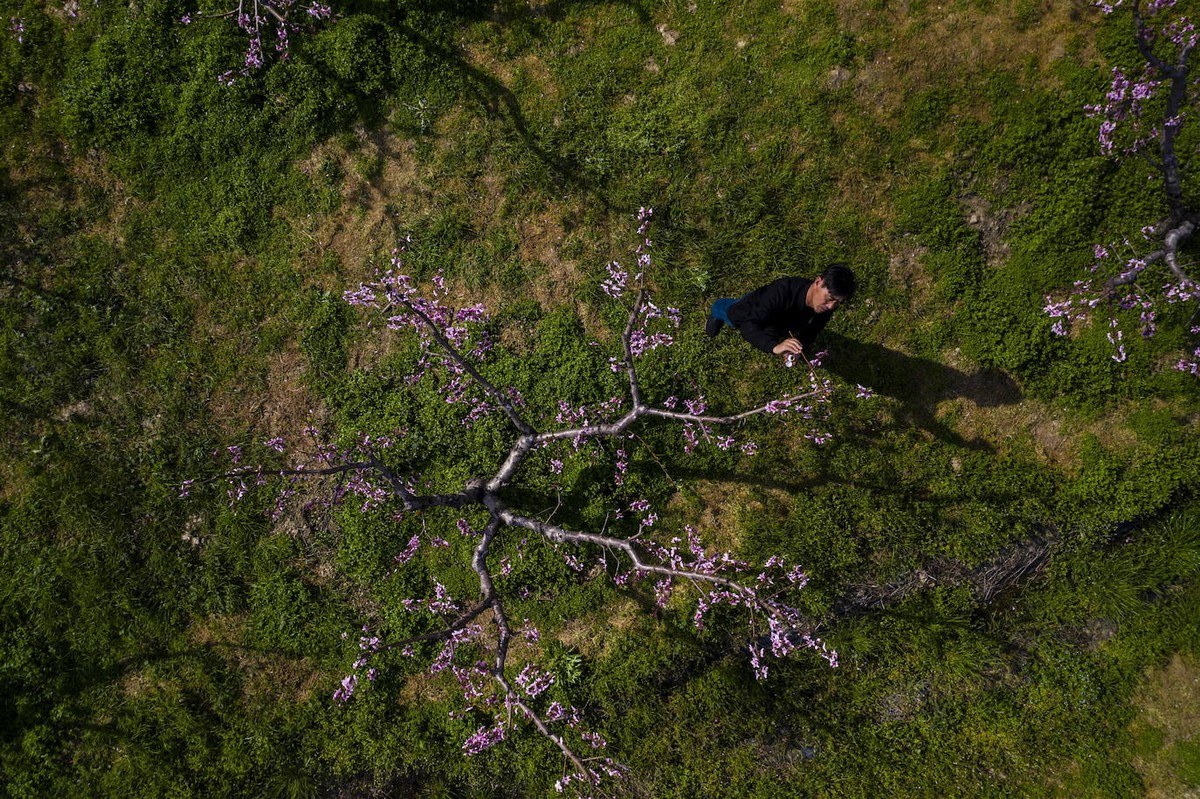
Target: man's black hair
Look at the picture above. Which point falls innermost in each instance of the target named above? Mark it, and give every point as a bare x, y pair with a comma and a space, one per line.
839, 280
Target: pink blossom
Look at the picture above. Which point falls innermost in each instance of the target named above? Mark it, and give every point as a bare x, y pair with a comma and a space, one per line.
346, 690
484, 738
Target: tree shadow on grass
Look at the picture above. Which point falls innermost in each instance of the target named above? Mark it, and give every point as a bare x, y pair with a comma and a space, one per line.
501, 103
918, 384
77, 676
492, 95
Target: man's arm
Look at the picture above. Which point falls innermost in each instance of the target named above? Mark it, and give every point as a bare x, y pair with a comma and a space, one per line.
808, 336
789, 346
758, 315
765, 339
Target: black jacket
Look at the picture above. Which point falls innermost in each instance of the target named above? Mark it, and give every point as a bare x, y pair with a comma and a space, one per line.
768, 315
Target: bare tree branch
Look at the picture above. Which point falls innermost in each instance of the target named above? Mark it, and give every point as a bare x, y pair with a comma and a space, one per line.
627, 348
446, 632
1141, 37
559, 534
1168, 254
1174, 241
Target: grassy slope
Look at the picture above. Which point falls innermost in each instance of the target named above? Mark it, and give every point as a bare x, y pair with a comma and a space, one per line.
176, 247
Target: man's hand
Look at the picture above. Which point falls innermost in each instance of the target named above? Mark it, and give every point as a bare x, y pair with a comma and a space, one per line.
789, 346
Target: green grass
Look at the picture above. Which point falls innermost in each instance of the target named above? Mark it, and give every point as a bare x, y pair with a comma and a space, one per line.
175, 254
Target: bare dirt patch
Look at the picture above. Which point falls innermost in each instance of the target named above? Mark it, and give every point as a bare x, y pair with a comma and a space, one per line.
280, 408
1055, 435
420, 689
1167, 727
993, 225
268, 674
720, 509
91, 171
541, 237
288, 405
507, 71
905, 271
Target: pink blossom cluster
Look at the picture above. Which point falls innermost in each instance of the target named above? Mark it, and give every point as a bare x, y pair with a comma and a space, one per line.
762, 596
474, 676
585, 416
1145, 108
484, 738
598, 769
405, 556
256, 23
534, 681
1124, 110
1128, 298
357, 483
1191, 363
1124, 103
473, 680
368, 645
693, 429
530, 633
813, 406
394, 294
641, 340
614, 285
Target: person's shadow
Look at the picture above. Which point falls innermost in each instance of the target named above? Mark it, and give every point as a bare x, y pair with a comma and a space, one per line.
917, 384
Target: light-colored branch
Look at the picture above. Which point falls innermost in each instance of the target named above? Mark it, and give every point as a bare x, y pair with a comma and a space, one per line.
540, 725
343, 468
1172, 241
559, 534
487, 590
627, 348
680, 416
1131, 275
523, 445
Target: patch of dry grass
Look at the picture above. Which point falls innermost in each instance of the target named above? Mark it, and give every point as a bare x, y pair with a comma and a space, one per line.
1054, 433
954, 38
267, 674
593, 636
382, 185
1168, 714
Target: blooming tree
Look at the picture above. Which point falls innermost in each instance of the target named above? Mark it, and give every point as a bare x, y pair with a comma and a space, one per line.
1144, 113
495, 660
255, 19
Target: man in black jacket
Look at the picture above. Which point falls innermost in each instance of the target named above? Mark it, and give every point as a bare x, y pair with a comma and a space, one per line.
784, 317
